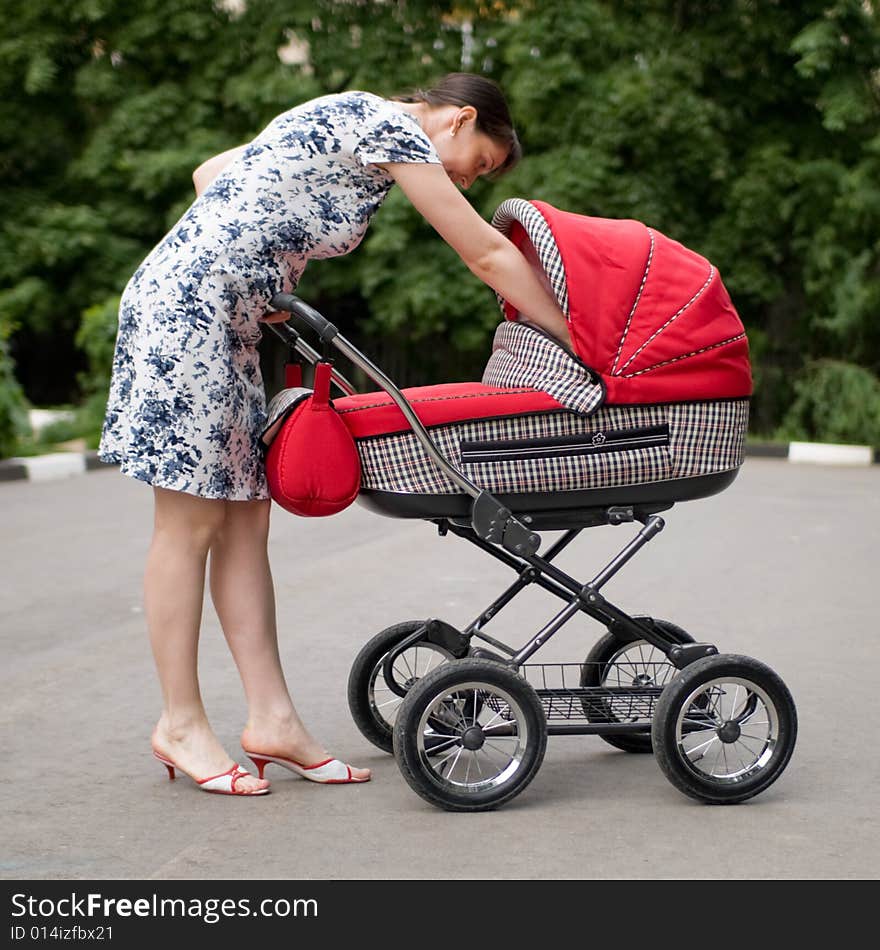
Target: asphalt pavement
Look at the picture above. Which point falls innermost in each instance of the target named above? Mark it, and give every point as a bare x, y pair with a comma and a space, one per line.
783, 566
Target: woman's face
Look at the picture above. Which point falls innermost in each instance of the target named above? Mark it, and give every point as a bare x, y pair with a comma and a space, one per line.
466, 152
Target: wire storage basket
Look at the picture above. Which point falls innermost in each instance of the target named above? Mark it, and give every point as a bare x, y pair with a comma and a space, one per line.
593, 696
597, 693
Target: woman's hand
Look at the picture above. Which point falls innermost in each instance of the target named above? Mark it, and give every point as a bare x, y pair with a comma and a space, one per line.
275, 316
565, 342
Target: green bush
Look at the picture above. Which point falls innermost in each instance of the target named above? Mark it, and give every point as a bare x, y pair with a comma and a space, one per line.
90, 417
13, 406
835, 402
63, 429
96, 337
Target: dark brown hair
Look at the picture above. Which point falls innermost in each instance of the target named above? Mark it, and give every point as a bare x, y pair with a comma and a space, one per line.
493, 115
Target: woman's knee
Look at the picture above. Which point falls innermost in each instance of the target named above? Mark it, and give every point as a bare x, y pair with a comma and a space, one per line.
247, 519
188, 519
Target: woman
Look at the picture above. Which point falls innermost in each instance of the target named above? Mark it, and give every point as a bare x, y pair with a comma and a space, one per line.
187, 403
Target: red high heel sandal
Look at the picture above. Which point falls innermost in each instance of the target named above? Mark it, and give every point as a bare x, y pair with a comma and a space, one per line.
222, 784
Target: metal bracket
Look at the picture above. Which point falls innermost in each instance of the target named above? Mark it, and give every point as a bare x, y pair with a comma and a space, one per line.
687, 653
493, 522
448, 637
590, 595
484, 654
434, 631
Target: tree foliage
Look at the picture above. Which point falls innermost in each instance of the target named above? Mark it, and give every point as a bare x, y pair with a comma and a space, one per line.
748, 131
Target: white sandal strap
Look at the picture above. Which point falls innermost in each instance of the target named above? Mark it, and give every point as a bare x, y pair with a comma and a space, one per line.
332, 771
226, 781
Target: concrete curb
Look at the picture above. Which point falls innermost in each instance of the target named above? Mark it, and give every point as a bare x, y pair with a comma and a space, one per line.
44, 468
816, 453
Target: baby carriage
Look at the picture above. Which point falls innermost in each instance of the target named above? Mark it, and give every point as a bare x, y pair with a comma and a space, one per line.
652, 410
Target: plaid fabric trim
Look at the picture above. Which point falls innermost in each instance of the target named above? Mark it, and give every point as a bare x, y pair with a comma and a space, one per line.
636, 303
703, 438
707, 437
659, 330
523, 356
525, 213
686, 356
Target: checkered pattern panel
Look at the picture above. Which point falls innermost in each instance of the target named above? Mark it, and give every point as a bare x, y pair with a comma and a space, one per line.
704, 438
525, 213
524, 356
707, 437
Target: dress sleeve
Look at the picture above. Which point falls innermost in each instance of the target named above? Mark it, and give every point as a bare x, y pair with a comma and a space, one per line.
393, 136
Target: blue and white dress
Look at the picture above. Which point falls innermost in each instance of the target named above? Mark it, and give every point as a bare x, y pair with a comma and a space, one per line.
186, 399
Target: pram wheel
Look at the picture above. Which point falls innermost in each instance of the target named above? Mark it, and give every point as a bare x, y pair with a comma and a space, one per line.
373, 704
724, 729
493, 731
616, 664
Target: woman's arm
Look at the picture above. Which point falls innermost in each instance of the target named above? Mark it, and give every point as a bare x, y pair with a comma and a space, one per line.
485, 251
210, 169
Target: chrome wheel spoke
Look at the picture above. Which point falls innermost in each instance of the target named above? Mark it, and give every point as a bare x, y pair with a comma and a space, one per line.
493, 757
407, 670
702, 745
499, 715
700, 724
450, 751
634, 667
457, 755
389, 702
415, 662
442, 743
505, 752
742, 740
497, 757
730, 703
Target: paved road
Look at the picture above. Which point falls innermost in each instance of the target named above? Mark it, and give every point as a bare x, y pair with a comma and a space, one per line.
782, 566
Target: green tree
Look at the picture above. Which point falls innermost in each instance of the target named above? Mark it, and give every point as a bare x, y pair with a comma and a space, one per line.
747, 131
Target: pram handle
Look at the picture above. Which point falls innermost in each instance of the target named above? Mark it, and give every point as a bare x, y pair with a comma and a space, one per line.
299, 308
491, 520
286, 333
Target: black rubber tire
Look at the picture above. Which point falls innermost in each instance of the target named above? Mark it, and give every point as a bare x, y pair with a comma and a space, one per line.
670, 707
373, 726
420, 772
595, 671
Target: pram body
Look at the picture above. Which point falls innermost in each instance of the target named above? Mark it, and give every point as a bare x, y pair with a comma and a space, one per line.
651, 410
655, 405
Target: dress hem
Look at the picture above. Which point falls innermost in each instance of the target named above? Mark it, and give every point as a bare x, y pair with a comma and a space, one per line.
156, 482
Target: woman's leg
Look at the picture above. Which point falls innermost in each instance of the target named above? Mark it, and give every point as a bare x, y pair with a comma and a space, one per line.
174, 585
244, 597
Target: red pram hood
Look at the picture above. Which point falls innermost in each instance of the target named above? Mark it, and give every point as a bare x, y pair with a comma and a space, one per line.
648, 314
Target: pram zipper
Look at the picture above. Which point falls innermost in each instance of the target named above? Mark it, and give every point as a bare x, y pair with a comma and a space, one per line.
589, 443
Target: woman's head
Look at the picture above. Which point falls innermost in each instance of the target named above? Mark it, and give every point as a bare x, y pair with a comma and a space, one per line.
470, 126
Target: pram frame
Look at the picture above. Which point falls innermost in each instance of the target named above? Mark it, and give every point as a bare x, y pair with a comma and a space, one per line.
519, 544
673, 710
586, 598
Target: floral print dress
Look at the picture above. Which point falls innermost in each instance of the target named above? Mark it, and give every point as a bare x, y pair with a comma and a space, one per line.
187, 401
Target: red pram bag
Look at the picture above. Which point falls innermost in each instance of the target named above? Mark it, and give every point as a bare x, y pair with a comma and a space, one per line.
312, 465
